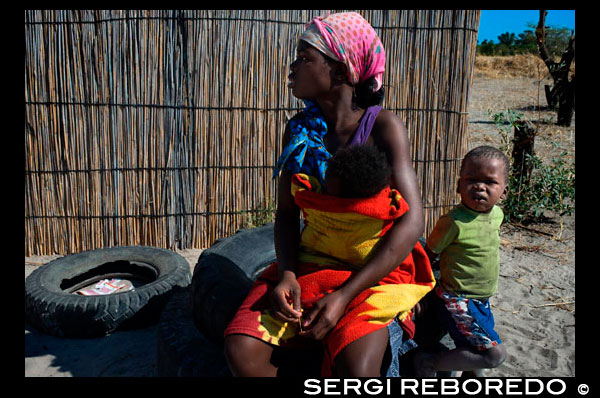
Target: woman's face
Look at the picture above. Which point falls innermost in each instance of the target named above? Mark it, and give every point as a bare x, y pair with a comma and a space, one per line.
310, 73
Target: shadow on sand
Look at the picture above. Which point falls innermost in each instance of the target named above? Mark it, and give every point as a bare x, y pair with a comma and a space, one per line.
129, 353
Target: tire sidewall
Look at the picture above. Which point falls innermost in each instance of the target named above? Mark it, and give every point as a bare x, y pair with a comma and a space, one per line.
64, 314
50, 275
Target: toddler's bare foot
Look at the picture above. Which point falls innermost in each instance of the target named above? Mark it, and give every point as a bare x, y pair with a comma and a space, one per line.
474, 373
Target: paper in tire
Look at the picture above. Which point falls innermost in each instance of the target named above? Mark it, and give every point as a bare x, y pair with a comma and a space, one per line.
52, 307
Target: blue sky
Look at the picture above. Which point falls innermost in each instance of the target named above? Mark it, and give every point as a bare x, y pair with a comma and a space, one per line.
493, 23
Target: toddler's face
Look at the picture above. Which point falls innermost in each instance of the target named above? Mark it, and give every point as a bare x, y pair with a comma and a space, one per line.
482, 184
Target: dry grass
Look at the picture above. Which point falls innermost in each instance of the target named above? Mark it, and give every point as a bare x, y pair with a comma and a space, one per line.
516, 83
524, 95
522, 65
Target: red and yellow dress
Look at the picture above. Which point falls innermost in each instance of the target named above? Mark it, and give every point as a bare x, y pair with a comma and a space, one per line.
338, 238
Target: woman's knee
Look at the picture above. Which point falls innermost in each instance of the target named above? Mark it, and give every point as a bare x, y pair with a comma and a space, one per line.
234, 351
234, 347
247, 356
363, 357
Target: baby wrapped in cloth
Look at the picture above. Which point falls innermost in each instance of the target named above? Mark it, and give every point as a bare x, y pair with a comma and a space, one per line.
338, 237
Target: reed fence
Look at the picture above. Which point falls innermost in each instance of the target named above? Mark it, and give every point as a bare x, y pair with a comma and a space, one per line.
162, 127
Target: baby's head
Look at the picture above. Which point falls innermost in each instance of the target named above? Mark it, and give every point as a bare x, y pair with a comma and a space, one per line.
483, 178
357, 171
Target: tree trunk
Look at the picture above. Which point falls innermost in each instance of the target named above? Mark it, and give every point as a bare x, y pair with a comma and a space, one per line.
523, 144
566, 105
551, 96
563, 92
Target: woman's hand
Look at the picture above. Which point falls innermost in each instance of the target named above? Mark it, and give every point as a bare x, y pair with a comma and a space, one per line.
324, 315
285, 298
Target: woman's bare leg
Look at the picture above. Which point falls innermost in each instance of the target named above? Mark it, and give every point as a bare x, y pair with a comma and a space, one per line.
363, 357
249, 357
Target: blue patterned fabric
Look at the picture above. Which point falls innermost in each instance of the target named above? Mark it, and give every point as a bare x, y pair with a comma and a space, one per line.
306, 152
399, 345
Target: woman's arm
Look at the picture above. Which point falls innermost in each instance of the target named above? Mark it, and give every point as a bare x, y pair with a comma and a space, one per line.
390, 135
286, 238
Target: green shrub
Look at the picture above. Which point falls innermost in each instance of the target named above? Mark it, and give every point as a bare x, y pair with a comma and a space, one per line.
505, 122
551, 187
260, 216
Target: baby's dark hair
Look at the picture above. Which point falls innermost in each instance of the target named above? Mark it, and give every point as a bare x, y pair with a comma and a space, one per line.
489, 152
363, 170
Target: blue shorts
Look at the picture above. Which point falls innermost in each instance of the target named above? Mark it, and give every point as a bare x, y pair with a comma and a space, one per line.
469, 321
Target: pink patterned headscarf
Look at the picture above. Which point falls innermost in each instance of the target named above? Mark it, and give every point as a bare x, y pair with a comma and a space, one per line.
349, 38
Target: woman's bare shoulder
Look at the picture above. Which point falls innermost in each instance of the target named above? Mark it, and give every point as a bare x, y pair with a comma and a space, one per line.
389, 132
387, 120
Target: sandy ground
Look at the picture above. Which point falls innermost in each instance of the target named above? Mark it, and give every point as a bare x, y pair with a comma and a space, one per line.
534, 309
535, 305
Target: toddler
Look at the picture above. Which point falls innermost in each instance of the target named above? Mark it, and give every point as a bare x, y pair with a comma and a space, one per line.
467, 240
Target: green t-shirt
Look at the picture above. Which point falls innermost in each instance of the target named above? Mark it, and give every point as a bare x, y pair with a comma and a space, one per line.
468, 243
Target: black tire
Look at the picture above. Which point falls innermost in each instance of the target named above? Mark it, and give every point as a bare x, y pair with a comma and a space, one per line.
53, 308
182, 350
224, 275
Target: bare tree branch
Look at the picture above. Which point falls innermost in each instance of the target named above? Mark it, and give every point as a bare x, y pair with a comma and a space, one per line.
540, 34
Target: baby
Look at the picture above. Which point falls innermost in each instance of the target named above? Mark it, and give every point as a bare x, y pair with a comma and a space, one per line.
467, 240
358, 171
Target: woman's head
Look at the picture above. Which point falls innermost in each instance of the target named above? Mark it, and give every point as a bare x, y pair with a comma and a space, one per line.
351, 46
347, 37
